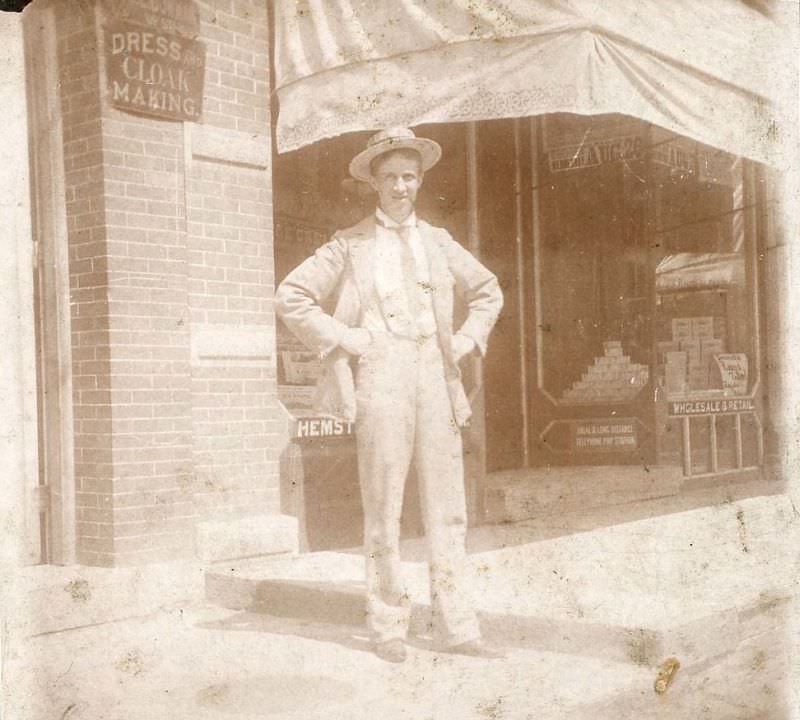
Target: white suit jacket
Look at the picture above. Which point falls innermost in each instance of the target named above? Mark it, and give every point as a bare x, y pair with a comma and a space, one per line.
342, 270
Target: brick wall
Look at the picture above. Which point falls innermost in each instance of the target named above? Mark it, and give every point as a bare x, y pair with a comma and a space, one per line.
148, 320
170, 234
237, 65
234, 408
232, 285
88, 253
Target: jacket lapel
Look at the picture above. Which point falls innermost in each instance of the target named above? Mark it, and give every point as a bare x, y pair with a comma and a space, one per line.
437, 266
361, 248
441, 283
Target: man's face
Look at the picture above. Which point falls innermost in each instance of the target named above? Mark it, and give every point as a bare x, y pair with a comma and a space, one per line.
397, 178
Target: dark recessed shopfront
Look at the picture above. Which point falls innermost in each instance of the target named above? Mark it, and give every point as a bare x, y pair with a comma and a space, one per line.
630, 332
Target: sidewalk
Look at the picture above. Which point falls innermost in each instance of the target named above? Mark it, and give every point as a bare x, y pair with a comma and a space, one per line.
725, 572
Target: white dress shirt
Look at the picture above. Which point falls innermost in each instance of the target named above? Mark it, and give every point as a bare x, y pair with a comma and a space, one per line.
388, 276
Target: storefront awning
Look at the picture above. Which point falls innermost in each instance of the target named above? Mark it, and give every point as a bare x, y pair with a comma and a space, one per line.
711, 70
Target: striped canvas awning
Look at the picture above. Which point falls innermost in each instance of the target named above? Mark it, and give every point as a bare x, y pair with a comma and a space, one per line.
714, 71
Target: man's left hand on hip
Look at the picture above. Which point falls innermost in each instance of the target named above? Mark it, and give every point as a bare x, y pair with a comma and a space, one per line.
462, 345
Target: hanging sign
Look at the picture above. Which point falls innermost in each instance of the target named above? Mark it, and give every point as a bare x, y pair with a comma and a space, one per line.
676, 156
154, 72
594, 152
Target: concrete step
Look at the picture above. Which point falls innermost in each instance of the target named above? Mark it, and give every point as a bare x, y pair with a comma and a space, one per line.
692, 584
240, 537
516, 495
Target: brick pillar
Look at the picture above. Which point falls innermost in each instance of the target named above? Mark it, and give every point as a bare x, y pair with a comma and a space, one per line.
236, 417
171, 271
88, 253
129, 294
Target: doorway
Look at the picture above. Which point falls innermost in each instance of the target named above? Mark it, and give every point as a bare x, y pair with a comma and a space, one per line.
52, 509
629, 337
315, 197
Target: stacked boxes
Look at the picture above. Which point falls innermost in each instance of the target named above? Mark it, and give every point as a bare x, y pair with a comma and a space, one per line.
681, 329
611, 378
688, 358
675, 369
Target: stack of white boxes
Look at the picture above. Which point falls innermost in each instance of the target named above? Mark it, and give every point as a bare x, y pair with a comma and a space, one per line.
611, 378
689, 356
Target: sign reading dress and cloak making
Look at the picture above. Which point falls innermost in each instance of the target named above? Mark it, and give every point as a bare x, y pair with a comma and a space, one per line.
154, 66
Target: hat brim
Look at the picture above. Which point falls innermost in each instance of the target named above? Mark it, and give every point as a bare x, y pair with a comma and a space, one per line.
429, 150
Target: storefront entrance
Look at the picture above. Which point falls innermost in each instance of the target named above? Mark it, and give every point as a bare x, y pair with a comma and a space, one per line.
630, 331
313, 198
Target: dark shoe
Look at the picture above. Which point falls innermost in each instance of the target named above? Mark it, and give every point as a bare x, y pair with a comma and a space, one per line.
393, 651
476, 648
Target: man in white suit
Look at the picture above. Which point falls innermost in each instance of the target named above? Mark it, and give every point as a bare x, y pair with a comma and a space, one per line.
390, 364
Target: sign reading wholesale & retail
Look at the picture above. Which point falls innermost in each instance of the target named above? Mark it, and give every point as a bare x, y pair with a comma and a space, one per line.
712, 406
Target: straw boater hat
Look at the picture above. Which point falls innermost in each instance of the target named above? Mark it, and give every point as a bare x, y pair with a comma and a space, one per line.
397, 138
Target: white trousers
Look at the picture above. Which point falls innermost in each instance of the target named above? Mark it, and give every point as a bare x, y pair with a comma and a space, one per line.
404, 415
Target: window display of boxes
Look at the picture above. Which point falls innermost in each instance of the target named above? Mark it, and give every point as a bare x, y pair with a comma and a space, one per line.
703, 327
612, 349
675, 372
666, 347
689, 358
691, 347
697, 377
681, 329
711, 346
611, 378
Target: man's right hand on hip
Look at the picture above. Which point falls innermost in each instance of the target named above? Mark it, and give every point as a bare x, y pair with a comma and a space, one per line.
356, 340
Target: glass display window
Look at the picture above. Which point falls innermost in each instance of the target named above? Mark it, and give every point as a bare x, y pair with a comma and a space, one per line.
592, 324
706, 332
645, 334
705, 319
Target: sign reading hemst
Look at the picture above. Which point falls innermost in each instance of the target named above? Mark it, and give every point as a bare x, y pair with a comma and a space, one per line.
153, 72
321, 427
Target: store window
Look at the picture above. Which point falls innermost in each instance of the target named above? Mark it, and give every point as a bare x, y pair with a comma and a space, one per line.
706, 329
645, 343
591, 269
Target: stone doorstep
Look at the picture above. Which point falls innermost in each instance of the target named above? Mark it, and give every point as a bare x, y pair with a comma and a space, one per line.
694, 641
249, 536
513, 496
745, 594
517, 496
